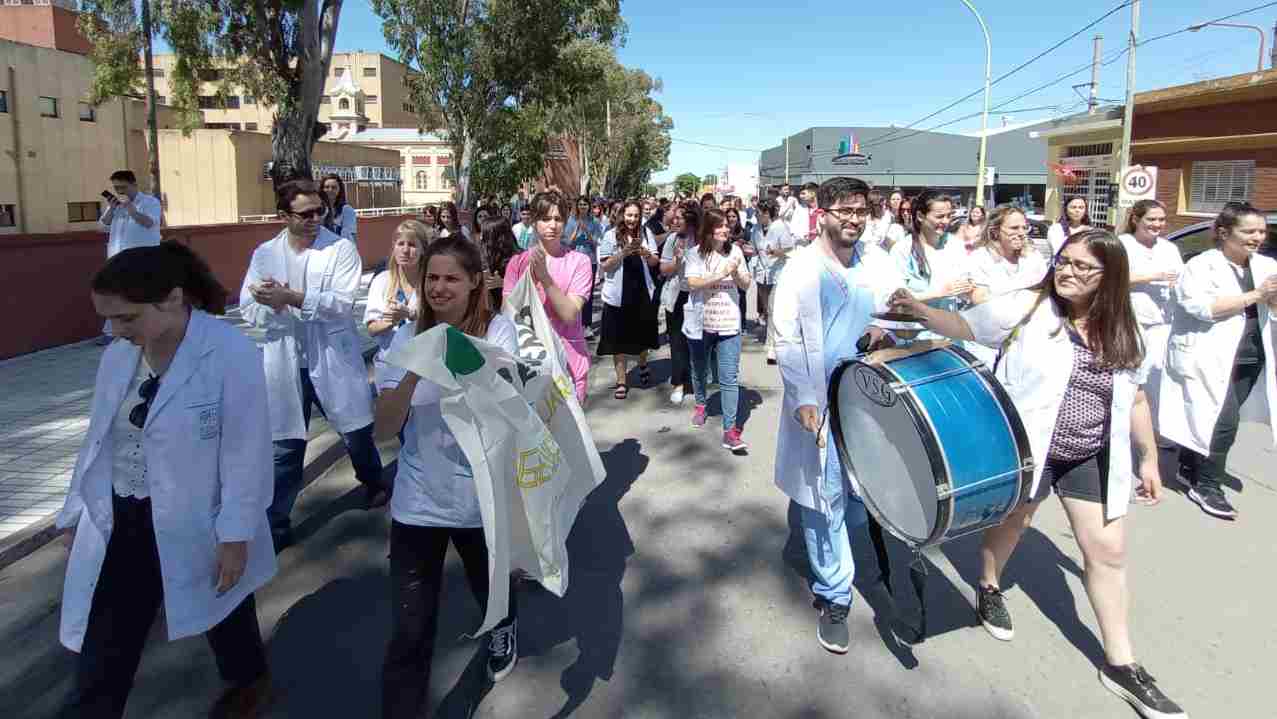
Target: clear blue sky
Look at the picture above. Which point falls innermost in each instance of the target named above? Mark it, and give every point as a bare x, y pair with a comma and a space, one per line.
742, 73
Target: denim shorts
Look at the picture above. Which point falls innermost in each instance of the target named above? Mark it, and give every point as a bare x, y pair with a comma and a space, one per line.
1085, 479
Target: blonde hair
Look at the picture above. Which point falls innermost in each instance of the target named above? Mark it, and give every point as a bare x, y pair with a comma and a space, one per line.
993, 221
423, 236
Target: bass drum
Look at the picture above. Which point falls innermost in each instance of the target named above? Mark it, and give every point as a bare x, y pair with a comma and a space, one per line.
935, 445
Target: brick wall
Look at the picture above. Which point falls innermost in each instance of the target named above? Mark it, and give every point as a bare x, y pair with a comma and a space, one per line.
43, 26
1173, 177
46, 299
1238, 118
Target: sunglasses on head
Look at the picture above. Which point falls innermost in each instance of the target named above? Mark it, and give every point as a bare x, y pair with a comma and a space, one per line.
137, 416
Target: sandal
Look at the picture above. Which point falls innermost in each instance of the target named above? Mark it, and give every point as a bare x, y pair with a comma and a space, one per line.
621, 391
645, 376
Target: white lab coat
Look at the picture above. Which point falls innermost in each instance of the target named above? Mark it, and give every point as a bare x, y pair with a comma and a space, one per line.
1035, 371
210, 473
1199, 358
125, 232
800, 353
332, 345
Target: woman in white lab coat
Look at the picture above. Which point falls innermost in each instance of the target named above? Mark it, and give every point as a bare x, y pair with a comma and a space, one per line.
167, 504
933, 263
435, 501
1221, 352
342, 220
1006, 261
1073, 219
1071, 361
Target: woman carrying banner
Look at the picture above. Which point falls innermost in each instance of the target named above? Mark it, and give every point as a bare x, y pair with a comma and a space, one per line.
435, 501
563, 282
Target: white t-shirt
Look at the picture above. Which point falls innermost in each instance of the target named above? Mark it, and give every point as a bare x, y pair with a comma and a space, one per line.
989, 269
435, 485
713, 309
377, 305
297, 262
1151, 300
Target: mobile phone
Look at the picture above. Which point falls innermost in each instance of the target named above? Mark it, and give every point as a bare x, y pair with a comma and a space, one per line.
110, 198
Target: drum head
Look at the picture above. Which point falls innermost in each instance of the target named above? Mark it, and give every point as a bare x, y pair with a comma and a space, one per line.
881, 439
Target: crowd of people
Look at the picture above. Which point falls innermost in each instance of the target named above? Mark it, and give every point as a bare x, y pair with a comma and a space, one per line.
1127, 365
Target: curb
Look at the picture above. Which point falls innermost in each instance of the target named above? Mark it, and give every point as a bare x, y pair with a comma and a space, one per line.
30, 540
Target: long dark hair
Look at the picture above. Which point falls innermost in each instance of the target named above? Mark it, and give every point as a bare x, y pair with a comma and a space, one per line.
496, 238
146, 275
710, 220
1112, 333
921, 206
1086, 213
479, 310
340, 202
736, 233
623, 234
453, 220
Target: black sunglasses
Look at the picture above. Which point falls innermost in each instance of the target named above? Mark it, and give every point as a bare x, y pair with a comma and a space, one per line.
137, 416
317, 214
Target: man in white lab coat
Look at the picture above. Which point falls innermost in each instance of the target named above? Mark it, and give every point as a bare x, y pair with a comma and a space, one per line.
300, 288
132, 218
822, 308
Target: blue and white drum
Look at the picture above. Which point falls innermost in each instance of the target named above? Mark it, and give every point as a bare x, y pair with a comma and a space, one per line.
937, 448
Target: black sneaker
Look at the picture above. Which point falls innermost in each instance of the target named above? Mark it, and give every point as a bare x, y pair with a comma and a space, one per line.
994, 615
831, 627
503, 650
1139, 688
1212, 501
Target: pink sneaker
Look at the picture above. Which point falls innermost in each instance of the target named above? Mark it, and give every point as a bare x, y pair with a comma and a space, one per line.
732, 441
698, 416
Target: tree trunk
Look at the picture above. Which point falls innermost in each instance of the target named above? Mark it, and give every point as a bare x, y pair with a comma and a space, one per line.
462, 166
293, 136
291, 142
152, 128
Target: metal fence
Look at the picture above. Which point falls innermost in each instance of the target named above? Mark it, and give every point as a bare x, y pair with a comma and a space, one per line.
366, 212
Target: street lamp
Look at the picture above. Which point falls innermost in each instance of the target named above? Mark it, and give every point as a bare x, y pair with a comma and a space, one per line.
984, 117
1262, 36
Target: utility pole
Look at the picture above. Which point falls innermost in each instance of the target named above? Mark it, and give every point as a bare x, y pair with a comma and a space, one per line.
1094, 101
1273, 58
1128, 115
787, 159
152, 125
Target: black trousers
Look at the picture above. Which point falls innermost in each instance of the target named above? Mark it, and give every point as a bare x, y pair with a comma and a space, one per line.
416, 576
680, 352
1208, 471
125, 602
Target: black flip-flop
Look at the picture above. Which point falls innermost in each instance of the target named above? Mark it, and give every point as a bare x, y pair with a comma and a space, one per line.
620, 391
645, 376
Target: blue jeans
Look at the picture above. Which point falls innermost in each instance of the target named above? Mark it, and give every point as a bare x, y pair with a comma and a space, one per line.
290, 456
828, 536
727, 347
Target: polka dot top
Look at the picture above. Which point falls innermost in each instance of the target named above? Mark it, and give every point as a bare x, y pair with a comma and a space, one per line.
1082, 427
128, 461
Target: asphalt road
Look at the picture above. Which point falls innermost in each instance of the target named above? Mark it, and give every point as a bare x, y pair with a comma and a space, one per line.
687, 600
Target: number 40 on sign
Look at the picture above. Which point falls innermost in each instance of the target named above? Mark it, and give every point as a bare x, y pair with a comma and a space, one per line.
1139, 182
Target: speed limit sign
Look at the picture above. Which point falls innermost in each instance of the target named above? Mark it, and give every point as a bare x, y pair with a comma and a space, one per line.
1138, 183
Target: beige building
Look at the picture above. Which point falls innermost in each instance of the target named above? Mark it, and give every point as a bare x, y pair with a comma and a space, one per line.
1083, 153
57, 152
372, 85
219, 176
425, 161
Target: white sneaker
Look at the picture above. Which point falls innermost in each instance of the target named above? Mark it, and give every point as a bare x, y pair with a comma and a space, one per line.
676, 397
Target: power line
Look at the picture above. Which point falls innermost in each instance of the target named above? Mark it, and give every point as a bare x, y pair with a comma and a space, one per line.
1015, 69
712, 146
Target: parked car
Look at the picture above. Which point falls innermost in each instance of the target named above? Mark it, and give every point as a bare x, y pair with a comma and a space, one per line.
1196, 239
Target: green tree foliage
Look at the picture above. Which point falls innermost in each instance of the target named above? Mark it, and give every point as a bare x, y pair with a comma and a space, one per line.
479, 61
278, 51
687, 184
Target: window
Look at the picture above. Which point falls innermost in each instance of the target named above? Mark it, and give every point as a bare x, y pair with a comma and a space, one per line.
83, 212
87, 113
362, 128
325, 100
423, 180
157, 72
4, 100
371, 100
339, 71
210, 75
250, 100
343, 104
8, 216
421, 159
206, 102
370, 72
161, 100
1103, 148
407, 107
48, 106
213, 102
1214, 184
250, 126
221, 126
231, 102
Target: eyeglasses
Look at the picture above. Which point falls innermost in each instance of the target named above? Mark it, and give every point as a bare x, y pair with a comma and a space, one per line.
137, 416
846, 213
316, 214
1081, 270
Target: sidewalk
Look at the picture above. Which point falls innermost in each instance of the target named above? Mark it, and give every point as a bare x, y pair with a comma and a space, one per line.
43, 420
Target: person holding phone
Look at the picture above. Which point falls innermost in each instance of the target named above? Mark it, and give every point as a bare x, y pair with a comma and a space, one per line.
132, 218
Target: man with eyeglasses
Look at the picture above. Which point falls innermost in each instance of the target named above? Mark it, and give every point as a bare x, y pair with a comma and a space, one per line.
300, 289
821, 313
